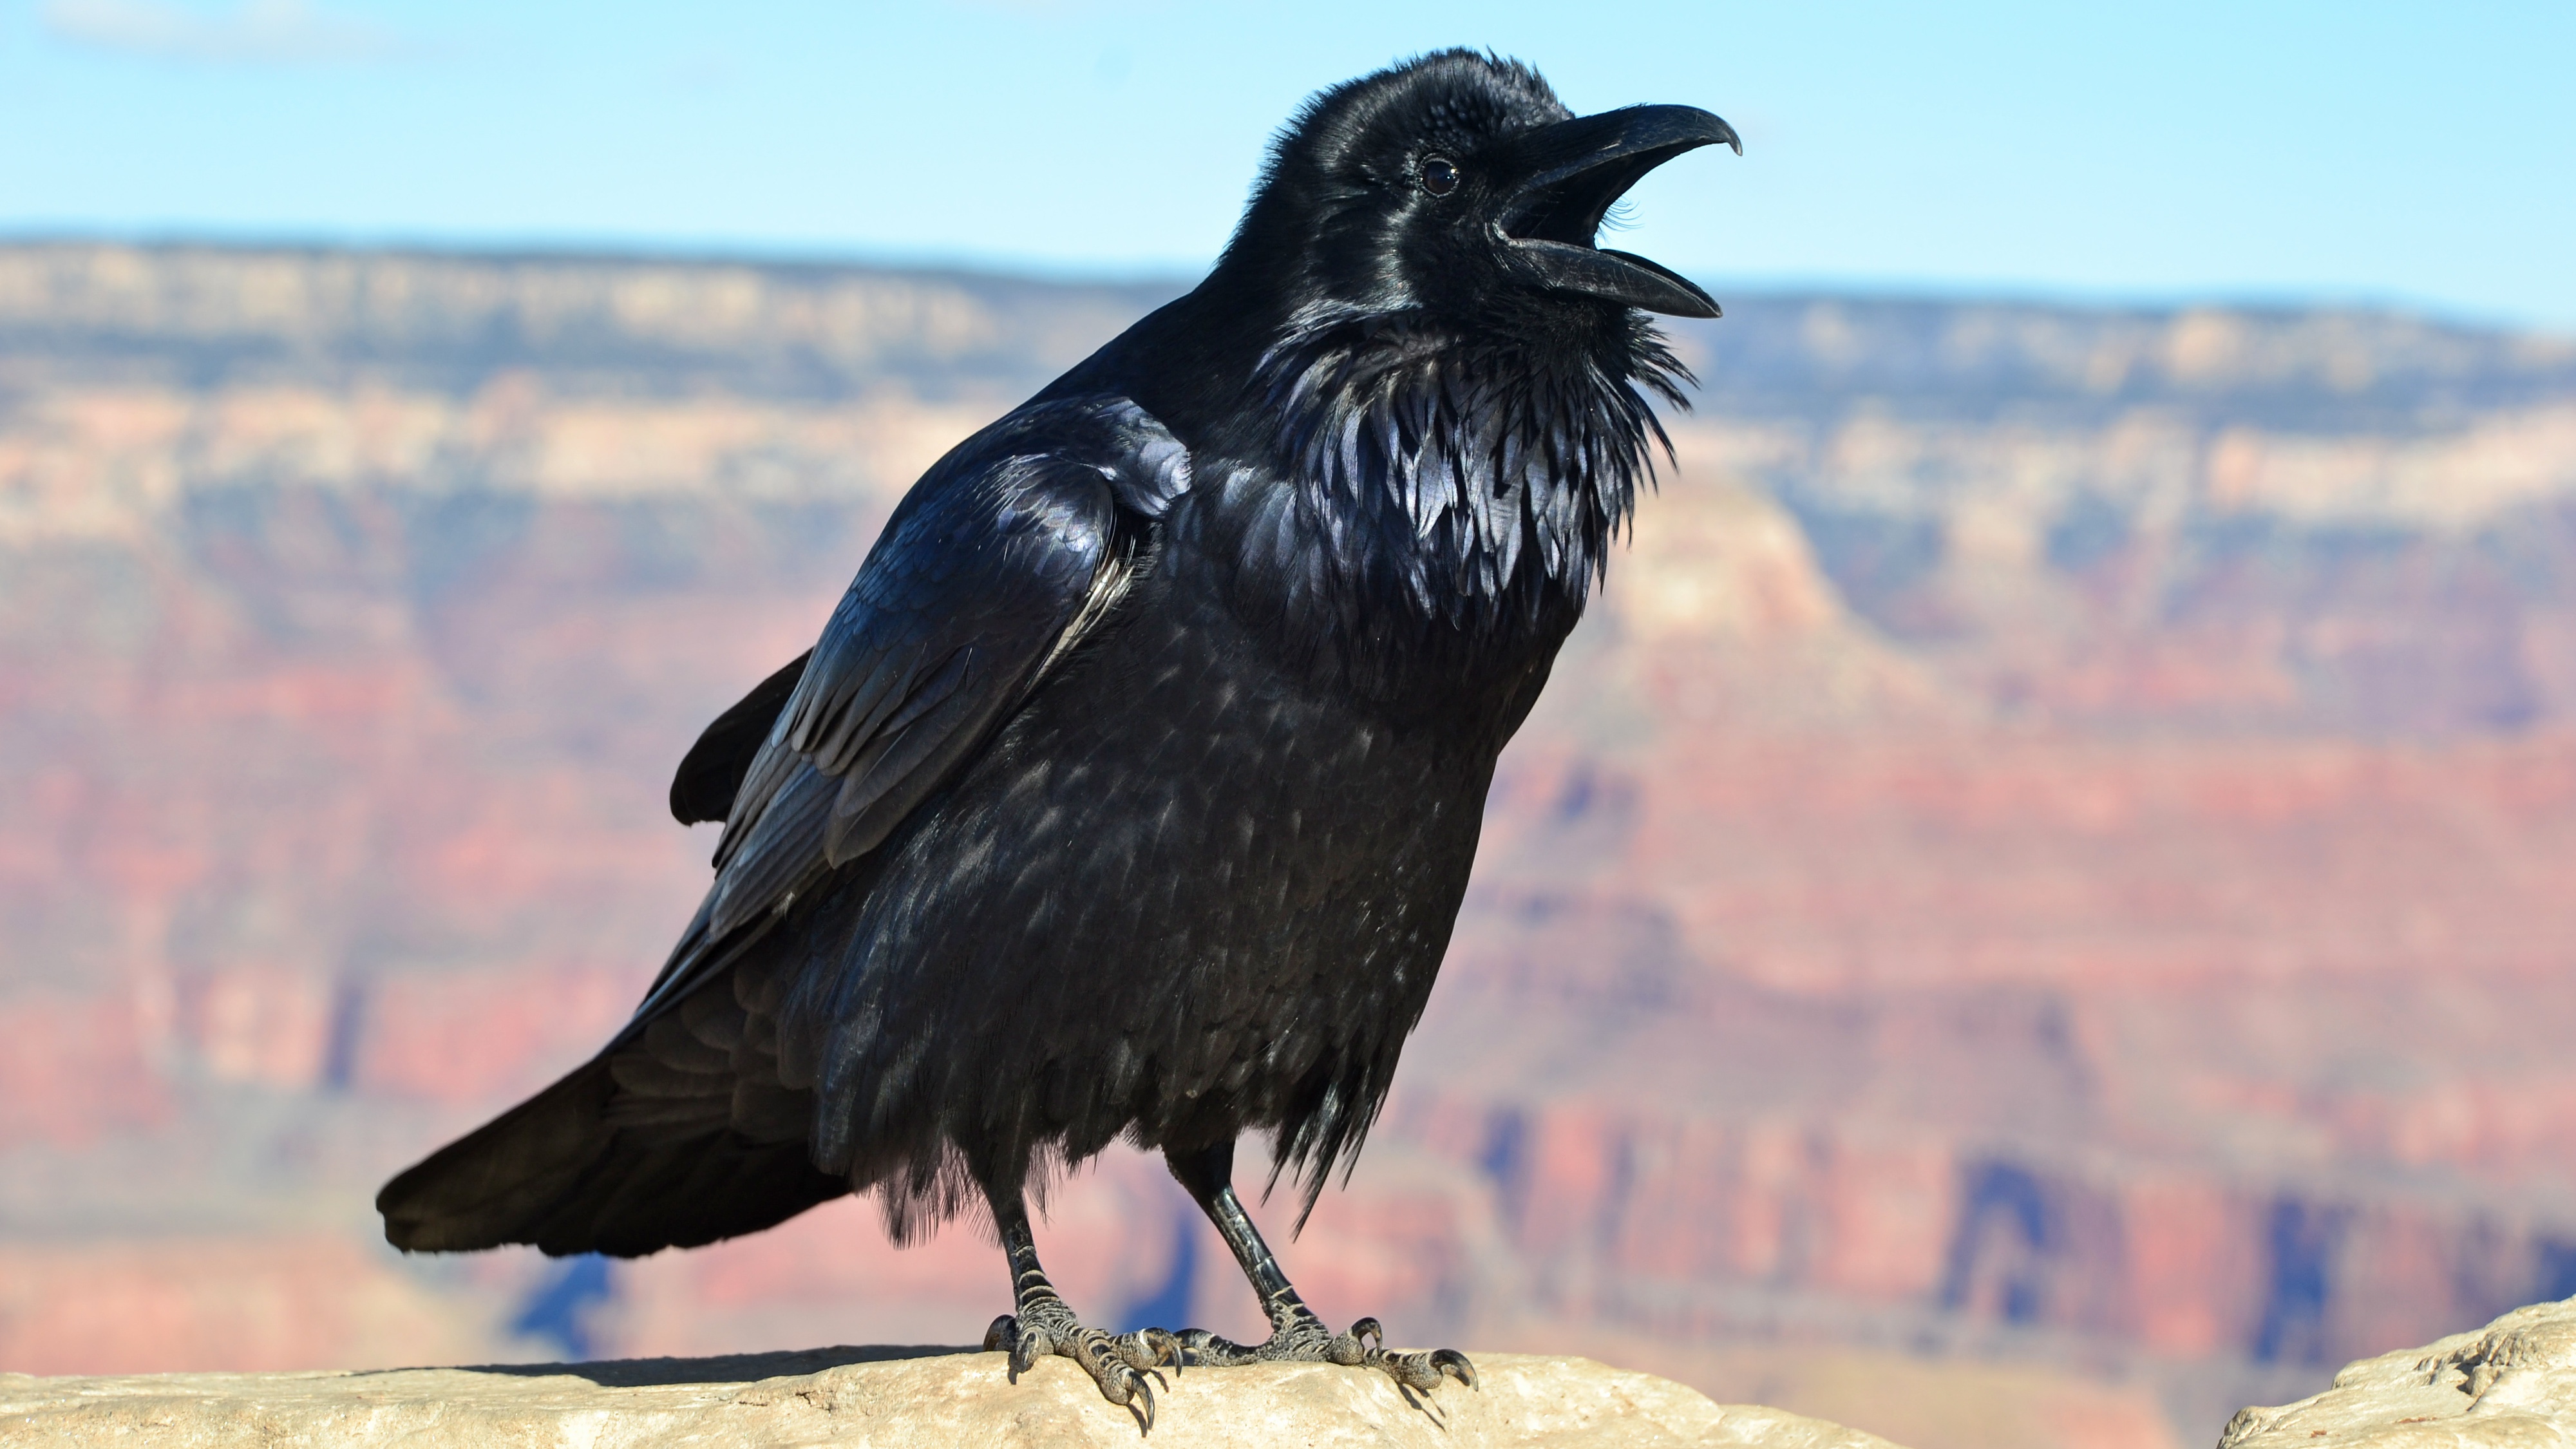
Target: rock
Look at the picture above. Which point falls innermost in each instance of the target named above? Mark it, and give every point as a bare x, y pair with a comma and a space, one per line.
2509, 1385
937, 1398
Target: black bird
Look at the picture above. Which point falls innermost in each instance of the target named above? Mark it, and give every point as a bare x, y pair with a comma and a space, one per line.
1132, 788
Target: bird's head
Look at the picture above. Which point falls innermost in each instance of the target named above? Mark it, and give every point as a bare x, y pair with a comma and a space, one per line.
1457, 185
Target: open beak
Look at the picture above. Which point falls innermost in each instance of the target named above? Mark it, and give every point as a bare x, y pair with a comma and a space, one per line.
1572, 171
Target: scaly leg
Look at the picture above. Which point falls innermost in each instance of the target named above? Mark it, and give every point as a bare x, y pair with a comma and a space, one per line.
1296, 1334
1122, 1364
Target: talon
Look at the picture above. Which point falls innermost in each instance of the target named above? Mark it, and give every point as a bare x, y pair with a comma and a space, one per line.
1369, 1328
1139, 1365
1453, 1363
1126, 1367
1151, 1348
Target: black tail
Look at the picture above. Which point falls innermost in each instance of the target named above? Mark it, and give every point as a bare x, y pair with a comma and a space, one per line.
643, 1147
502, 1183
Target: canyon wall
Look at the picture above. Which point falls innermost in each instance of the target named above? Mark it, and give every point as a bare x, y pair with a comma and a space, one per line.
2053, 859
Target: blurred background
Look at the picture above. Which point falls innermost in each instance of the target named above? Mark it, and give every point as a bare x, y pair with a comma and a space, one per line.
2039, 910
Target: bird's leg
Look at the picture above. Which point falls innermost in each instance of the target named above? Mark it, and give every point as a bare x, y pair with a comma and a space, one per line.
1296, 1334
1124, 1365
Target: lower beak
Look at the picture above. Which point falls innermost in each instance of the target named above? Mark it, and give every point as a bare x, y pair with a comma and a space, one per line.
1575, 170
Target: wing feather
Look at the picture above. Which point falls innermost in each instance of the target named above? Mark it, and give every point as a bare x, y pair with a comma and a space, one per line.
996, 564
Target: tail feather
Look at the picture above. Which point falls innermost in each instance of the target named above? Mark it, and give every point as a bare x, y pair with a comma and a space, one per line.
499, 1183
559, 1171
682, 1195
680, 1132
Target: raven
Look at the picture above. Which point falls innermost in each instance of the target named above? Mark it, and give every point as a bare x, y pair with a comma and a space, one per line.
1132, 787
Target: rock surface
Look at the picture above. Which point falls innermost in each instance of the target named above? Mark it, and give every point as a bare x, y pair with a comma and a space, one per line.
892, 1397
2509, 1385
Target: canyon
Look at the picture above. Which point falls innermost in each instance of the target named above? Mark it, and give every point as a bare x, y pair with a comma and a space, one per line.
2037, 908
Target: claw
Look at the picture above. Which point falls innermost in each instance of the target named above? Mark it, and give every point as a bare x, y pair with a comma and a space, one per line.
1423, 1371
1298, 1337
1150, 1349
1126, 1367
1144, 1391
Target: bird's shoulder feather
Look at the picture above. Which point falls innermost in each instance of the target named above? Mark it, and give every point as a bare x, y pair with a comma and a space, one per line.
1002, 557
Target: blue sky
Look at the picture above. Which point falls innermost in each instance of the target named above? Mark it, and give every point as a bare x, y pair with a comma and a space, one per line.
2417, 155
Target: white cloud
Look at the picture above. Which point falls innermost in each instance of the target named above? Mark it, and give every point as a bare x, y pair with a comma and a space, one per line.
277, 32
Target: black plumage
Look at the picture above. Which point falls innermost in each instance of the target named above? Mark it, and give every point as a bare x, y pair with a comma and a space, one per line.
1132, 788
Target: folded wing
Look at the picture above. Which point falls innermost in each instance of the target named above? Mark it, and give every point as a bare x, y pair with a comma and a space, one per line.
1000, 559
684, 1128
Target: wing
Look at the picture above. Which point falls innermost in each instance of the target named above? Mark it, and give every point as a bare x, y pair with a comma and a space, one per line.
711, 775
1000, 559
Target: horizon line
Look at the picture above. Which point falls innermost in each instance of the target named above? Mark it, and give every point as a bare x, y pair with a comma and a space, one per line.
1177, 277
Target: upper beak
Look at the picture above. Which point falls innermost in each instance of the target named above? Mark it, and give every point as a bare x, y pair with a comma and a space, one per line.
1571, 172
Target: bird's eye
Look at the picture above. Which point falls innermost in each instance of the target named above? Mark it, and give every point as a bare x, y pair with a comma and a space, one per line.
1439, 176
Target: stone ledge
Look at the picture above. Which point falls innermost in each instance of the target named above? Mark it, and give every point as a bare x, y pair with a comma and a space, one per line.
894, 1397
2509, 1385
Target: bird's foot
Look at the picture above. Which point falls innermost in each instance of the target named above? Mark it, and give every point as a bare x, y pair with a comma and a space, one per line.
1125, 1365
1298, 1336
